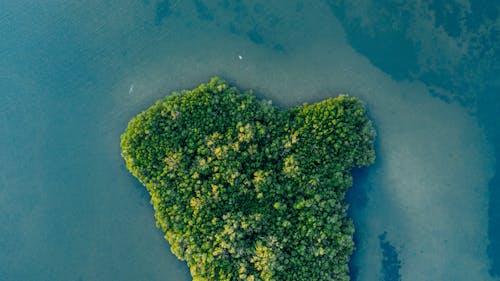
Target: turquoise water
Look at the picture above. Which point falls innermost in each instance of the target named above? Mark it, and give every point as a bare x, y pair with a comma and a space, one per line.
72, 74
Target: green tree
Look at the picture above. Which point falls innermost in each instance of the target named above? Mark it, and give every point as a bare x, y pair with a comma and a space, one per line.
247, 191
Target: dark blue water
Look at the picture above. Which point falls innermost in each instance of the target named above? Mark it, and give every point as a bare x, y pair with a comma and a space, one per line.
473, 77
72, 74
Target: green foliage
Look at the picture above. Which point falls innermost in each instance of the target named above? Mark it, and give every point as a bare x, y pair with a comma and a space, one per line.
246, 191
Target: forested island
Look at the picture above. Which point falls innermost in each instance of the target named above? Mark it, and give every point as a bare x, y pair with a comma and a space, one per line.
245, 190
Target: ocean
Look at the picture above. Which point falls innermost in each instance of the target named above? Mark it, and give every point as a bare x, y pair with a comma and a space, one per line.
73, 73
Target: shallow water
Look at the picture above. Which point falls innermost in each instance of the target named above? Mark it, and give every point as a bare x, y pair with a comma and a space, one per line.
73, 74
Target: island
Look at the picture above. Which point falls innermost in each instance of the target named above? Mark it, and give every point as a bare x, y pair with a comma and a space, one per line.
245, 190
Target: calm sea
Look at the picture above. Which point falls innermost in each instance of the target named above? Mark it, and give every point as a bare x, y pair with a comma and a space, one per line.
72, 73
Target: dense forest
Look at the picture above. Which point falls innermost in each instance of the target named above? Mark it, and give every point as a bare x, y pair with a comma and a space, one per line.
245, 190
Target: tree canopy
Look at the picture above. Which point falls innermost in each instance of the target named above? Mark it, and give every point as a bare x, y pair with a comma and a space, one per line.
245, 190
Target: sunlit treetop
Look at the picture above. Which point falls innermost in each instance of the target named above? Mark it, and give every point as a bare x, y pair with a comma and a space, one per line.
245, 190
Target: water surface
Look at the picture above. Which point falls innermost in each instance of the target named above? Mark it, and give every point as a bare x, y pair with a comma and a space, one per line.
72, 75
